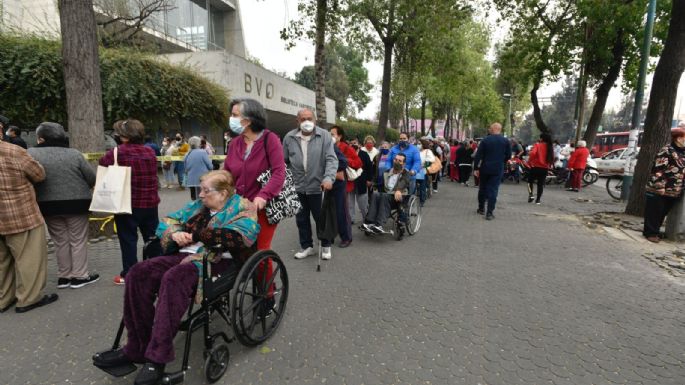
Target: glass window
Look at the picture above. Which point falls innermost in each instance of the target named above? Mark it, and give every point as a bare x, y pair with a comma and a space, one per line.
216, 37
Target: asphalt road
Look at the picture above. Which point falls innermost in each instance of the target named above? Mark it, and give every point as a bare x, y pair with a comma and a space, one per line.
532, 297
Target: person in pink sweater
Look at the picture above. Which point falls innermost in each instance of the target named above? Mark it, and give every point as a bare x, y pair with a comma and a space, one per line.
253, 150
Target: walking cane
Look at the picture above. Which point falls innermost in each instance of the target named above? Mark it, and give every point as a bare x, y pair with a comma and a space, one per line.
318, 263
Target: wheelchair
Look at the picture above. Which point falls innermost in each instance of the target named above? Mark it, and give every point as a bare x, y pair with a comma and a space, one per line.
405, 218
248, 300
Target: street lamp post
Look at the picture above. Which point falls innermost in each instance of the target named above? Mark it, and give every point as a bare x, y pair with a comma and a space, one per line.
508, 123
637, 107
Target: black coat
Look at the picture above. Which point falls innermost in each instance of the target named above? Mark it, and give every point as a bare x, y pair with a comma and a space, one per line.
366, 176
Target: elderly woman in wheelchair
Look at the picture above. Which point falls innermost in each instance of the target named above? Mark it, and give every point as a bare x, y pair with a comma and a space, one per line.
394, 202
218, 229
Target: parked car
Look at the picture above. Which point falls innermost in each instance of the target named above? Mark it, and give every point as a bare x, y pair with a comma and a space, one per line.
614, 161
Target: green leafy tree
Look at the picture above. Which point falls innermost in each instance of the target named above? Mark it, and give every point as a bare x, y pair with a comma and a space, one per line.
661, 105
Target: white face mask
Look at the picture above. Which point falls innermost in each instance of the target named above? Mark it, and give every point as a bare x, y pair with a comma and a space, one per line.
307, 126
335, 140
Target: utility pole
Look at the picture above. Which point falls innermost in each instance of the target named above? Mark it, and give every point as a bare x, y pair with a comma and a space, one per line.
508, 122
582, 85
637, 108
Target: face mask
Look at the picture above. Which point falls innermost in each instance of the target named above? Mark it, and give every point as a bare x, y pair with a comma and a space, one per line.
369, 146
385, 151
235, 126
356, 147
307, 126
178, 139
225, 137
397, 166
403, 143
335, 140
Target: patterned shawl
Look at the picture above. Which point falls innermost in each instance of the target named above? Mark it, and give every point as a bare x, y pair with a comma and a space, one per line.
239, 215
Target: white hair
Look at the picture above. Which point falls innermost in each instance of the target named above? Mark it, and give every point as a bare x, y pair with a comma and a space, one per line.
581, 143
194, 142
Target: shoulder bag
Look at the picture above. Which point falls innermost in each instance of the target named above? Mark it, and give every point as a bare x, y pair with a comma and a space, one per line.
286, 203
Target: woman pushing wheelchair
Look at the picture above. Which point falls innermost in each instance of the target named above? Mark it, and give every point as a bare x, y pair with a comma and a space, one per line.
219, 218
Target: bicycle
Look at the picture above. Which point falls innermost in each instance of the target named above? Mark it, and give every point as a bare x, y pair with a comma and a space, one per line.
614, 186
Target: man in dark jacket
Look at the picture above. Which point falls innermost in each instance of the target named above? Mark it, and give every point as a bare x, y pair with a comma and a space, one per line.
14, 137
489, 161
396, 182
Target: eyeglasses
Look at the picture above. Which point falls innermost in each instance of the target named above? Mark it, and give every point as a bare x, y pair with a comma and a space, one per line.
208, 190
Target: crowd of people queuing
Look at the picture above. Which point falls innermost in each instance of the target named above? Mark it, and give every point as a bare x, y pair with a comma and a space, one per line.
50, 186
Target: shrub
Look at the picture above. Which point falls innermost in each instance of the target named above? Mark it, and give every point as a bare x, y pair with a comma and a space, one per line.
134, 84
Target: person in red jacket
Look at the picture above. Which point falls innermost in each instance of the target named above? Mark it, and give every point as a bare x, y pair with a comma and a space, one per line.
540, 159
576, 165
341, 199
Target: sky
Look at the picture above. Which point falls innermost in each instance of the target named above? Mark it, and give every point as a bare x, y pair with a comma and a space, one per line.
263, 19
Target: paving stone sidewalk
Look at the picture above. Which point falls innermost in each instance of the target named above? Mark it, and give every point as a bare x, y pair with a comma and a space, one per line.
532, 297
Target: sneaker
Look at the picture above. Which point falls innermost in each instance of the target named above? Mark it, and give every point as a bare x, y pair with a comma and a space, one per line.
538, 203
569, 189
63, 283
326, 253
530, 199
81, 282
119, 280
367, 227
489, 217
435, 191
309, 251
480, 211
377, 229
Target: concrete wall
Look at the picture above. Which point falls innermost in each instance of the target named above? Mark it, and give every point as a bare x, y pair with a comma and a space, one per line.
245, 79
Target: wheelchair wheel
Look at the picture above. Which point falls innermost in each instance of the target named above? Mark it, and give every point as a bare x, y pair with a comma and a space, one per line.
413, 216
260, 294
216, 362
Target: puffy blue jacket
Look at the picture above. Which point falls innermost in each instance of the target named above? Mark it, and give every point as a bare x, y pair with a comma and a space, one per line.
413, 161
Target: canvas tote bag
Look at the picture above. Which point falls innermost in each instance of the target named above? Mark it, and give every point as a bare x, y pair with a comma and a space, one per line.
112, 193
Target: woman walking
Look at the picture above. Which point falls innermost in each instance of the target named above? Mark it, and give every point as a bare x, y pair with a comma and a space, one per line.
540, 160
196, 163
64, 198
665, 184
167, 150
254, 151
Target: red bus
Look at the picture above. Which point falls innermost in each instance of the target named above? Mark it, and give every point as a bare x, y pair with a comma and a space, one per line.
609, 141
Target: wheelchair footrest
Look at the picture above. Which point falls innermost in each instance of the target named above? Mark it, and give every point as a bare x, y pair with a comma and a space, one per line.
118, 371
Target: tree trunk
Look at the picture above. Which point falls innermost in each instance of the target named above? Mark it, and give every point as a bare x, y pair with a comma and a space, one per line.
662, 99
537, 113
319, 62
385, 88
432, 126
602, 93
423, 115
82, 75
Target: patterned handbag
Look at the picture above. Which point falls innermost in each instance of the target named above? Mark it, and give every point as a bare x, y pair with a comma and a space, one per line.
286, 203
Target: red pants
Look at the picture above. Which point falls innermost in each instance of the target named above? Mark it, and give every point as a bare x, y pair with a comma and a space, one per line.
576, 178
266, 234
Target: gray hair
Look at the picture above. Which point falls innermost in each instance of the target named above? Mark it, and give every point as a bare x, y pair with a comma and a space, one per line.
194, 142
306, 109
581, 143
51, 132
253, 111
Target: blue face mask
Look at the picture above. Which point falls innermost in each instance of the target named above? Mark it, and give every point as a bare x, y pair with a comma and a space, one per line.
403, 143
235, 126
385, 151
